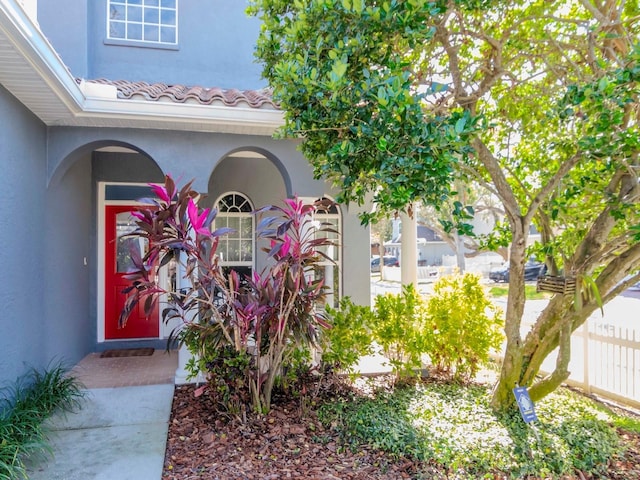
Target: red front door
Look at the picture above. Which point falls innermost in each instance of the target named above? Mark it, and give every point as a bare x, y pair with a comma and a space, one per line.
118, 223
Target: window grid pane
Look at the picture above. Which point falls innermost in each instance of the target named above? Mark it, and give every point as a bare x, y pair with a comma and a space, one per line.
235, 248
329, 216
150, 21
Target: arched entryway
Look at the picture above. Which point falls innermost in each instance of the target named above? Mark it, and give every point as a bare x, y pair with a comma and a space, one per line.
99, 183
121, 178
241, 179
236, 249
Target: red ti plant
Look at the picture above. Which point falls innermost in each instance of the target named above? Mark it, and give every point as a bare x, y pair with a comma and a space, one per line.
266, 316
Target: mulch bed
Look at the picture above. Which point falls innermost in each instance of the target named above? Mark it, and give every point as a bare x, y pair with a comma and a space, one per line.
290, 442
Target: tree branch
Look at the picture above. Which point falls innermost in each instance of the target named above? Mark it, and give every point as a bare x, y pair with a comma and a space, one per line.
503, 189
561, 371
551, 185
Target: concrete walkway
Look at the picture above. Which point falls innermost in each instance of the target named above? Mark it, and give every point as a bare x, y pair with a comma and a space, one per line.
119, 434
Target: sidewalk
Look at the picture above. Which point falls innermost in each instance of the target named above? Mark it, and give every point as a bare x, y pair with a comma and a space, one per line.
119, 434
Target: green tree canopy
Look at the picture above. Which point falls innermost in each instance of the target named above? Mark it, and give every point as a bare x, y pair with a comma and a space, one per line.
343, 73
536, 101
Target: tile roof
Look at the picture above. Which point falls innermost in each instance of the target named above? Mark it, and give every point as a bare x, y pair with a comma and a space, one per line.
191, 94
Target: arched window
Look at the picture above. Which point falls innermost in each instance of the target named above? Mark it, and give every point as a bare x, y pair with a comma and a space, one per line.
236, 249
328, 213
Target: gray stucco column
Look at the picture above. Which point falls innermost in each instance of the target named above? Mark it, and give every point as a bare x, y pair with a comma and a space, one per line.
409, 250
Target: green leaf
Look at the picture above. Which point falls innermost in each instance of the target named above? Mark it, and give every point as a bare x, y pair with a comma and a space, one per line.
383, 99
339, 68
460, 124
603, 83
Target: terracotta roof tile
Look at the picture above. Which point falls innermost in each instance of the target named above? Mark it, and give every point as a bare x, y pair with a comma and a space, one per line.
194, 94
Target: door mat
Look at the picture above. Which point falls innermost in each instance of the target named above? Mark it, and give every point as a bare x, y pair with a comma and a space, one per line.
127, 352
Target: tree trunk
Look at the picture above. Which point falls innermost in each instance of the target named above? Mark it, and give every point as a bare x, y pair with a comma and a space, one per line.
510, 374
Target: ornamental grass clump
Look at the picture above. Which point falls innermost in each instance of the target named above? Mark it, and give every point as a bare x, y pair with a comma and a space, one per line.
251, 325
24, 406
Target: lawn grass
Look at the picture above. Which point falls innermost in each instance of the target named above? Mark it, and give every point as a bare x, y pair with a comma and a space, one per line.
453, 426
529, 290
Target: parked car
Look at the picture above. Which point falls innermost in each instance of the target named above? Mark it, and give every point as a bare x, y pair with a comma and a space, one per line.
389, 261
532, 270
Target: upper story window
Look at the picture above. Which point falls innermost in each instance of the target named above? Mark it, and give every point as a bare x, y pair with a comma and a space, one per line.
148, 21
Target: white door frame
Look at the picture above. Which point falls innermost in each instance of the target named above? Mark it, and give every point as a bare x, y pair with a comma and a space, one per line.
165, 329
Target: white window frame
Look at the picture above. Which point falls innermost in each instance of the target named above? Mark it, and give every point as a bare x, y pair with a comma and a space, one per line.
335, 267
143, 5
223, 240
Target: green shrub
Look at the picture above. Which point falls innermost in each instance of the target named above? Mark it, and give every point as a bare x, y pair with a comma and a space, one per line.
226, 370
530, 292
349, 337
398, 326
23, 408
462, 325
296, 372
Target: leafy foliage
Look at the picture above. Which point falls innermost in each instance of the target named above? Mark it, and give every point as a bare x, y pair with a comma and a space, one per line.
462, 325
23, 408
398, 327
530, 291
255, 322
534, 101
349, 337
455, 427
340, 72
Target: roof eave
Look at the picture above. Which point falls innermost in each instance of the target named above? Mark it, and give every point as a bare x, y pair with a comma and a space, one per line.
38, 54
72, 106
181, 116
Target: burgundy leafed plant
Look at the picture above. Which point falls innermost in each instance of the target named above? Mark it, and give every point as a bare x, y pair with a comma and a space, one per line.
265, 316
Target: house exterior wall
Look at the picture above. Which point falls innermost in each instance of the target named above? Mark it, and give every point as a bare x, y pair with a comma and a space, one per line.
277, 171
50, 206
187, 155
67, 266
257, 178
215, 47
22, 156
67, 32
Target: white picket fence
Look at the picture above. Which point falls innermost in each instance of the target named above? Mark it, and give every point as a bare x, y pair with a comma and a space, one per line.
605, 357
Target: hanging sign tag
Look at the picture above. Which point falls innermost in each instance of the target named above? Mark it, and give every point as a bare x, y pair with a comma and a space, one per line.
525, 404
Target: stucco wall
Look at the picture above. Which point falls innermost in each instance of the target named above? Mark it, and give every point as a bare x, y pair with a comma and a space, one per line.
205, 158
257, 178
67, 266
22, 190
64, 23
215, 45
